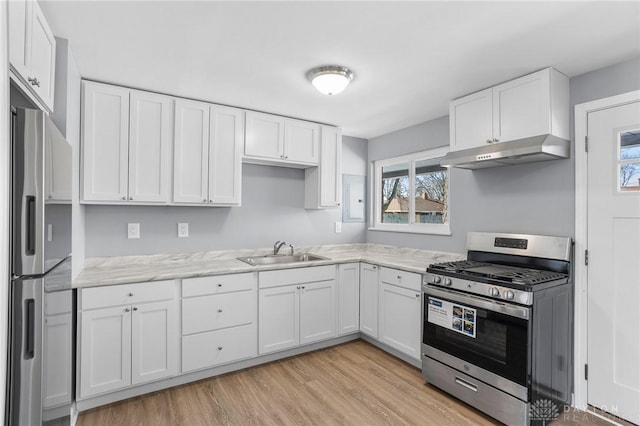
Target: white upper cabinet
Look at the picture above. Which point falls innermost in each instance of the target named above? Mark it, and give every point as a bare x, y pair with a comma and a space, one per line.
323, 184
105, 139
191, 152
271, 139
126, 140
32, 49
532, 105
208, 154
225, 155
150, 136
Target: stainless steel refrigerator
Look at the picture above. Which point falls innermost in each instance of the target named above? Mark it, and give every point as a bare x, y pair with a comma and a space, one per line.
40, 370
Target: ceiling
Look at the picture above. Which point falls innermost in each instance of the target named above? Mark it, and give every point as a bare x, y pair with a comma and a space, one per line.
409, 58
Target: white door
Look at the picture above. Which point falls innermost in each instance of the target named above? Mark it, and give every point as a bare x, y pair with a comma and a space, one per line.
301, 141
369, 299
614, 266
105, 350
471, 122
150, 136
317, 311
105, 142
348, 298
225, 155
400, 319
154, 341
264, 136
191, 152
278, 318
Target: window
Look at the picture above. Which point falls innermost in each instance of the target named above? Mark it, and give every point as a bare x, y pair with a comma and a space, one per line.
629, 161
411, 194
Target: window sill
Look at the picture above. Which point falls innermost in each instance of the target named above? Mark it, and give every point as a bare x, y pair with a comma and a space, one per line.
413, 229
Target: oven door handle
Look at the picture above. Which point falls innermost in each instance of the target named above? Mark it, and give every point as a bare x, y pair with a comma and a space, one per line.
480, 302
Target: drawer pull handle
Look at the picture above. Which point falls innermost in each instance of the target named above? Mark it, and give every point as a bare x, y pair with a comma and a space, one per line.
131, 294
298, 287
303, 287
219, 285
466, 384
135, 308
219, 348
127, 310
399, 277
418, 295
219, 311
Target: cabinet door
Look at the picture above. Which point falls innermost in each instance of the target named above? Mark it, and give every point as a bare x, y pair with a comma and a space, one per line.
41, 48
19, 10
225, 155
105, 138
470, 120
522, 107
150, 135
278, 318
264, 136
191, 153
105, 350
317, 311
154, 341
301, 141
331, 167
400, 319
57, 360
348, 298
58, 168
369, 299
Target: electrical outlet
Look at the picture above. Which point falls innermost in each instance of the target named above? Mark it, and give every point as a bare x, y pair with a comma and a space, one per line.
338, 227
133, 230
183, 230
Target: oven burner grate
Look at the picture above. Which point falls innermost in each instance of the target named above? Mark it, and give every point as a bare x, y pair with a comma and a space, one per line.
501, 273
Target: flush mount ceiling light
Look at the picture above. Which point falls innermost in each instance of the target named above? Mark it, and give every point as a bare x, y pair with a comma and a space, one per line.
330, 79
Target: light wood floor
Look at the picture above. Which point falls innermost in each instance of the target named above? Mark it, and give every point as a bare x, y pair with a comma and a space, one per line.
350, 384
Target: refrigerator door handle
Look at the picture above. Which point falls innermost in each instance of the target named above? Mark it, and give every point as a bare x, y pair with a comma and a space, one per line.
30, 231
30, 328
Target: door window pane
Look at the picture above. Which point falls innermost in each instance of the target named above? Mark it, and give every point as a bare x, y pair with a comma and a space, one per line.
630, 145
395, 193
431, 188
629, 166
630, 176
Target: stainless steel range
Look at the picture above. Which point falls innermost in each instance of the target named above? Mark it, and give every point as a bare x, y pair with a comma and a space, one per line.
497, 330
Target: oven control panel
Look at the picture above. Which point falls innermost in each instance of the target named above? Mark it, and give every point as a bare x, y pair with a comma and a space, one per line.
479, 288
513, 243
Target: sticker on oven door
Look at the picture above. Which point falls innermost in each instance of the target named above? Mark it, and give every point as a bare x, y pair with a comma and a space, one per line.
453, 317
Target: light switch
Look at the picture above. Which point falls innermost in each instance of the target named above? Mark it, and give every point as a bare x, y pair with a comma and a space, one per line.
133, 230
338, 227
183, 230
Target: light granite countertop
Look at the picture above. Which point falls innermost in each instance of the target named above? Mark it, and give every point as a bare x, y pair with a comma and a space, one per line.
101, 271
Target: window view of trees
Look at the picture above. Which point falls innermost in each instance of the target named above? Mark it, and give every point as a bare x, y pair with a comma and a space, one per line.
630, 161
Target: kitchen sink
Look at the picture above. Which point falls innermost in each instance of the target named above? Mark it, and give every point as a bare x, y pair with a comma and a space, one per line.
272, 259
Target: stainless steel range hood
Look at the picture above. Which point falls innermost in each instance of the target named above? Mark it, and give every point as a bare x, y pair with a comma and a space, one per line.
527, 150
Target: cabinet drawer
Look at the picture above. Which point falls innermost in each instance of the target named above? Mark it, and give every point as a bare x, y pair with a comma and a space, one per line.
124, 294
296, 276
207, 313
217, 284
218, 347
409, 280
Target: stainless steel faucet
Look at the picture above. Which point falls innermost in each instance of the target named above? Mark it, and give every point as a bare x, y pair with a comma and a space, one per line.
277, 246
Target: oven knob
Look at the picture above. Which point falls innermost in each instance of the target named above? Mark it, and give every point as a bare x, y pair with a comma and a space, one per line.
494, 292
447, 282
508, 295
435, 279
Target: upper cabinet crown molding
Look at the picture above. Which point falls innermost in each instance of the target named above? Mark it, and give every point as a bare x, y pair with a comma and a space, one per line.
532, 105
32, 51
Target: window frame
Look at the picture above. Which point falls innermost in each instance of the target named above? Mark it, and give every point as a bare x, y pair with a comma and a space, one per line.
375, 218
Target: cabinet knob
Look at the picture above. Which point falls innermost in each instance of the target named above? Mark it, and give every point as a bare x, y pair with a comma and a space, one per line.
131, 198
135, 308
204, 201
418, 295
219, 348
131, 294
495, 140
298, 287
489, 141
219, 311
399, 277
34, 81
211, 201
303, 287
127, 310
219, 285
124, 198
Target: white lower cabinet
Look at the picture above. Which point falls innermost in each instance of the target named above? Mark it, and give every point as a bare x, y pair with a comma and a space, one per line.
58, 347
296, 307
218, 320
400, 308
369, 299
126, 344
348, 298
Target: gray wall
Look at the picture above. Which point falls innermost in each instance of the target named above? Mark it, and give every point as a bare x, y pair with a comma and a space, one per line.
536, 198
272, 209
